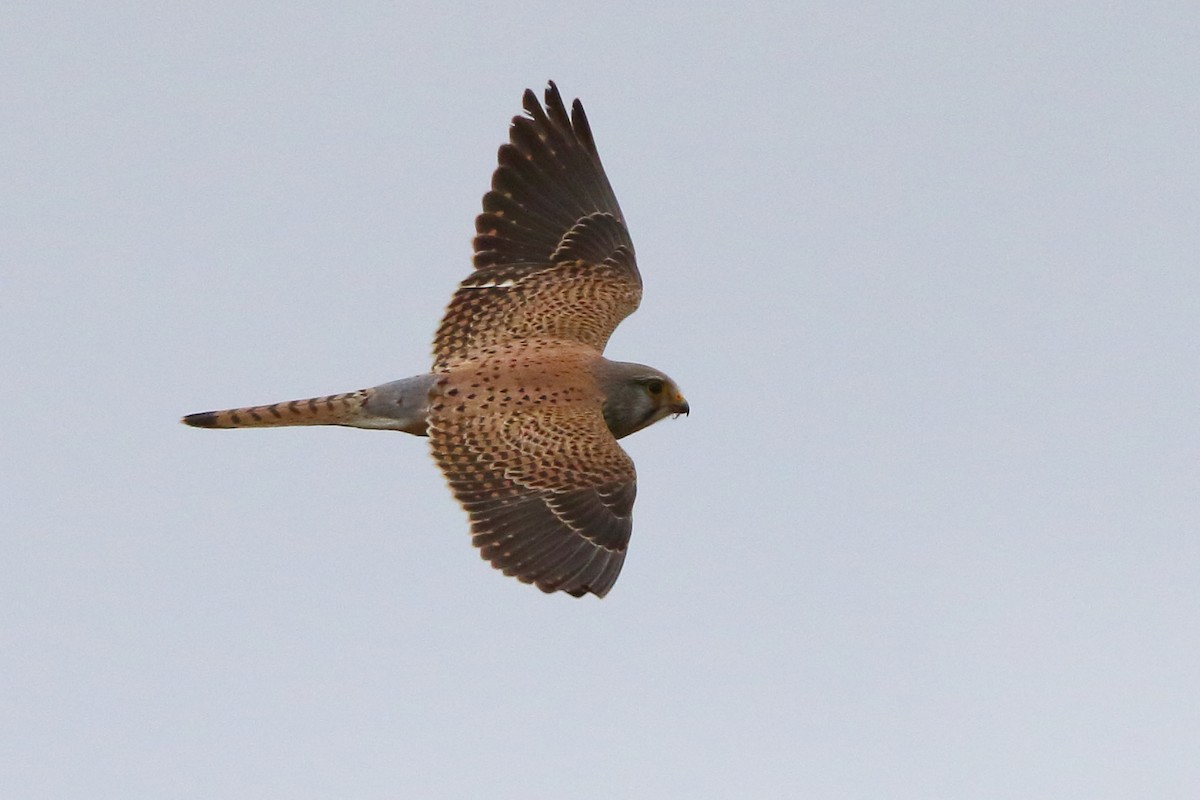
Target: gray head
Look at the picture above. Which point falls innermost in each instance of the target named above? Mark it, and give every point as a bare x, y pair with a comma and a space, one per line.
636, 396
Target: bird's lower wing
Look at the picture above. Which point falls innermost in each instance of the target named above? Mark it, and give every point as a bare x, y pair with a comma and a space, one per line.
549, 492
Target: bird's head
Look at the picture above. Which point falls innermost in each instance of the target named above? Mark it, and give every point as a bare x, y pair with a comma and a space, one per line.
636, 396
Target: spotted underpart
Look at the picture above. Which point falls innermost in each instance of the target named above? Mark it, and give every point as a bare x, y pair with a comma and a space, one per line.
522, 444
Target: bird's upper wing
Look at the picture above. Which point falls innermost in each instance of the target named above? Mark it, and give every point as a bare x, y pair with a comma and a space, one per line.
548, 490
553, 258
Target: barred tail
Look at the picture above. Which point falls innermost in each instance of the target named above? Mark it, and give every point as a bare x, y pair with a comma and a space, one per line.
334, 409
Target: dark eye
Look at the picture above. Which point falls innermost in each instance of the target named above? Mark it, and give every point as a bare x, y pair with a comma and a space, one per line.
654, 387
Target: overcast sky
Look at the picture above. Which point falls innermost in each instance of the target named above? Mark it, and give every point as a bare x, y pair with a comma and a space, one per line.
927, 274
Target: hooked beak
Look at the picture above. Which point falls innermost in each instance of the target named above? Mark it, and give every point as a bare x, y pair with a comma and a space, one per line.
679, 406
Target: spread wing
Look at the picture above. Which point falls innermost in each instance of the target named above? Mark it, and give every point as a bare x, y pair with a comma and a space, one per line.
548, 490
553, 258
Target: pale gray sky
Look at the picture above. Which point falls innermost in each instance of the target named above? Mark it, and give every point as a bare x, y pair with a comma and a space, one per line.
927, 274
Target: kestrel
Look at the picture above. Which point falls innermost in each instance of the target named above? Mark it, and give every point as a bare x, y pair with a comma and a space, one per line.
522, 410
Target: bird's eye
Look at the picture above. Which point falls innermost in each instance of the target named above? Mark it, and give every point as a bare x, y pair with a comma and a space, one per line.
654, 387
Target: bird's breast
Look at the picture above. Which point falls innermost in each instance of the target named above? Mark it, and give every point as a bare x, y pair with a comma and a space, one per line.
506, 379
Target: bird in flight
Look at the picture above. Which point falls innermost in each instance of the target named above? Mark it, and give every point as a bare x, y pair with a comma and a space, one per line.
522, 410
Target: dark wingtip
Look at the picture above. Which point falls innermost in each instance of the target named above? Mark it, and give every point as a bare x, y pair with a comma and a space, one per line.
580, 591
530, 102
205, 419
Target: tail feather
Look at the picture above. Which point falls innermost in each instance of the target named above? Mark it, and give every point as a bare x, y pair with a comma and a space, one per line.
334, 409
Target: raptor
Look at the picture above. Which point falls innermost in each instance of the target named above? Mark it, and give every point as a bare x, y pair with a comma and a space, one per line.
522, 409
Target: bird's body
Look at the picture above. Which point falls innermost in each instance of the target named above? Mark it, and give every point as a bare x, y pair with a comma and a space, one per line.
521, 408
